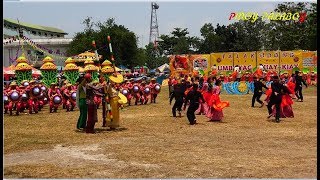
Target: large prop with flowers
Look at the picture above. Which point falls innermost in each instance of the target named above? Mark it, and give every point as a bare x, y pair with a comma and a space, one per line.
23, 70
89, 67
71, 71
49, 71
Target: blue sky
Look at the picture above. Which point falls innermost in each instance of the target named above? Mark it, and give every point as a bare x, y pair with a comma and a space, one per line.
133, 15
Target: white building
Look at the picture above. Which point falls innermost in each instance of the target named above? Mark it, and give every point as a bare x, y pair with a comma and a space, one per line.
50, 39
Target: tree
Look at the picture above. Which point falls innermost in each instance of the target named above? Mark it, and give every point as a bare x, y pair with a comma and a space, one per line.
124, 41
178, 43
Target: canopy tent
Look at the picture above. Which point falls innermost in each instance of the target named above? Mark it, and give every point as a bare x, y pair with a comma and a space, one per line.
36, 72
122, 67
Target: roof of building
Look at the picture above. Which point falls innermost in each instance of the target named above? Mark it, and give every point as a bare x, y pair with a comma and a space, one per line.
33, 26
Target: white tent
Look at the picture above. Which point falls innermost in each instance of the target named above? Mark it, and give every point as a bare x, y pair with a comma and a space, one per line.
163, 67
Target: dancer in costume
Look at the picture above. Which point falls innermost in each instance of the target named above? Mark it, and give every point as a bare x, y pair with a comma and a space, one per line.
258, 85
236, 73
178, 95
92, 89
298, 89
313, 78
14, 97
32, 92
193, 97
117, 100
70, 101
278, 90
55, 97
81, 101
145, 93
215, 105
155, 90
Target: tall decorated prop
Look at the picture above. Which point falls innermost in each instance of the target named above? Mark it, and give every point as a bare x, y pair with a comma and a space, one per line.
23, 70
106, 71
89, 67
115, 98
49, 71
71, 71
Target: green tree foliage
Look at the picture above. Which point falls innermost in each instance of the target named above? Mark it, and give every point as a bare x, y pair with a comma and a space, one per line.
124, 41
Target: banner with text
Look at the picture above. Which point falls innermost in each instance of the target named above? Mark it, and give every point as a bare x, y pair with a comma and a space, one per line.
290, 60
223, 61
200, 62
245, 60
309, 59
269, 59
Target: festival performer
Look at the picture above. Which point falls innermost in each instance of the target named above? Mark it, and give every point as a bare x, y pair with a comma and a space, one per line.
298, 89
178, 95
117, 100
215, 105
33, 92
278, 90
247, 77
97, 98
130, 91
202, 105
214, 71
312, 79
257, 93
70, 101
145, 93
14, 98
286, 101
136, 92
193, 97
284, 77
24, 98
236, 73
92, 89
41, 96
5, 100
155, 90
81, 101
55, 98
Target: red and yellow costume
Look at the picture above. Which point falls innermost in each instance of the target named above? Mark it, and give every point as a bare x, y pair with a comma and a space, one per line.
14, 103
33, 102
52, 92
70, 103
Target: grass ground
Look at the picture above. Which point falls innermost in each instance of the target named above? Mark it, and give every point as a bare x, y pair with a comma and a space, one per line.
152, 144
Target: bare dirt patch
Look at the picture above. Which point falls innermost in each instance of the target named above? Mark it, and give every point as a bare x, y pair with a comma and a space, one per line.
152, 144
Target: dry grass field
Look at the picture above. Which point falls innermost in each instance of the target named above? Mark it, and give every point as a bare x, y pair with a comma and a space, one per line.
152, 144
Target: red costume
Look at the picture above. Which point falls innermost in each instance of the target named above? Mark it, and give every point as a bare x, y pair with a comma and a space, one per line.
13, 89
154, 92
52, 92
136, 94
33, 102
70, 102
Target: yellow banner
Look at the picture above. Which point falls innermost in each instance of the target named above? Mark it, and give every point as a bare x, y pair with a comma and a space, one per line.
269, 59
245, 60
309, 58
223, 61
290, 60
200, 62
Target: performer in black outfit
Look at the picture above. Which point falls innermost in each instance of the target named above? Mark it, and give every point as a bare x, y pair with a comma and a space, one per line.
177, 94
193, 96
276, 97
258, 85
298, 89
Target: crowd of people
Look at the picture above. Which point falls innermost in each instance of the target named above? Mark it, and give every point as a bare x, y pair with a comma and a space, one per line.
202, 96
201, 93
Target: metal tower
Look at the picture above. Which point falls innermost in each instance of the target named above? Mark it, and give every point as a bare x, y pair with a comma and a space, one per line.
154, 30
